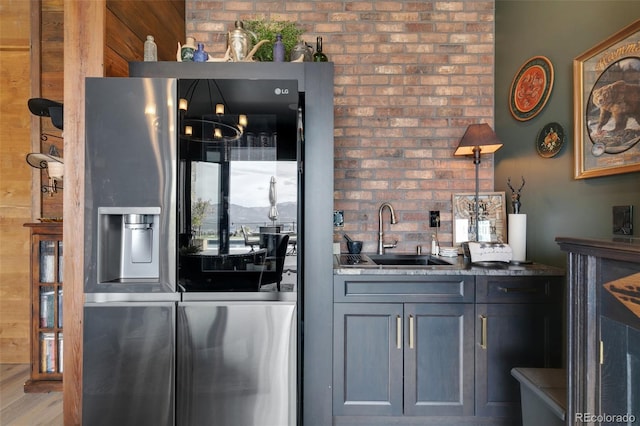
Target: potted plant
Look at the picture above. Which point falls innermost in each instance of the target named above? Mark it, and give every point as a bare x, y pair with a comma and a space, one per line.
267, 30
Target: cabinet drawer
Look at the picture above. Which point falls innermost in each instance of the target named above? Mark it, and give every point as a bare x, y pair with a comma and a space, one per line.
515, 289
403, 288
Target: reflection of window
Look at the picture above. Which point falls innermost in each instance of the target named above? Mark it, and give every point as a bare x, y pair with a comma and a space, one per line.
205, 198
249, 192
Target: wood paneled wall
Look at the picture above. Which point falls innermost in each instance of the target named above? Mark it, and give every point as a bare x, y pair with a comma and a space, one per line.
32, 66
108, 56
129, 22
15, 180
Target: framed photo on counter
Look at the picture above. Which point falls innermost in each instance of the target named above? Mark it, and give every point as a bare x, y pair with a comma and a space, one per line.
492, 224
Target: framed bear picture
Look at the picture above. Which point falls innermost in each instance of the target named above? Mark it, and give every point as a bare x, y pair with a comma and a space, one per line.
606, 83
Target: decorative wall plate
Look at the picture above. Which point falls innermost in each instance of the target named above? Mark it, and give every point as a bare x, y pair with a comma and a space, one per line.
531, 88
550, 140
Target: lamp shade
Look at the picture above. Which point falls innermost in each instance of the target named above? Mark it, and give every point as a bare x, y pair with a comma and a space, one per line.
480, 136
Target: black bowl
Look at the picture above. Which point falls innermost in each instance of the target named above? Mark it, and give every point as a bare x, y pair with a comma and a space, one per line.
354, 247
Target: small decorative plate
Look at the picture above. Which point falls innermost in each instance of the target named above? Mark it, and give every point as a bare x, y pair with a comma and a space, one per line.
550, 140
531, 88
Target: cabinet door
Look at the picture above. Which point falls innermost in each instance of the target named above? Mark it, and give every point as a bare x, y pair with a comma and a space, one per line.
619, 369
438, 360
508, 336
367, 359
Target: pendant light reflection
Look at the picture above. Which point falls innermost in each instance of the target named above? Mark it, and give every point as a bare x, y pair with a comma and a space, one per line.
214, 126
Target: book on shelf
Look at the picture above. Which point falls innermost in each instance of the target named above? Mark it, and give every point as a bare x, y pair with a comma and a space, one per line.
48, 355
47, 310
60, 352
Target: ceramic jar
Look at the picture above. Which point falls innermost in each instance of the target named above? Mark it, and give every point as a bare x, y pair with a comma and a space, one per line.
186, 53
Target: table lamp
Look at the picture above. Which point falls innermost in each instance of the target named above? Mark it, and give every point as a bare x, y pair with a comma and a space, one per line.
479, 138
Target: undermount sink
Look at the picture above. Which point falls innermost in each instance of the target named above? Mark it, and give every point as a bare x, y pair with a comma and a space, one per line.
407, 259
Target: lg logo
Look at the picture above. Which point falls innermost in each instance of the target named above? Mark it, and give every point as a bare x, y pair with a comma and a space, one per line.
280, 91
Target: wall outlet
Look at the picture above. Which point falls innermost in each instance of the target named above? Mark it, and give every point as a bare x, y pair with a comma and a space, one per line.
623, 220
434, 218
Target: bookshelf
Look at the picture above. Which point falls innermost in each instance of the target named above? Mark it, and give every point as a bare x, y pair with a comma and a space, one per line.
46, 308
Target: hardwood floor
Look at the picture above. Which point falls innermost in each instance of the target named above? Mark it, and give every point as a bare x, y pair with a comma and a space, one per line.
26, 409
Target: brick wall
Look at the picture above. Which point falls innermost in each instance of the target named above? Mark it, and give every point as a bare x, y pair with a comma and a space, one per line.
410, 76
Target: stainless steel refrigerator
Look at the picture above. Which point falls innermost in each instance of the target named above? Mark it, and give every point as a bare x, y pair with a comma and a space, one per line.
183, 323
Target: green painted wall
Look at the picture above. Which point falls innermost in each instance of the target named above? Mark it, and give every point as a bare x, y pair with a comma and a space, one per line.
555, 203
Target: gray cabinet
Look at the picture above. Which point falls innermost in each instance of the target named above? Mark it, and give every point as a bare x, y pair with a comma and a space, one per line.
438, 359
508, 336
429, 345
439, 349
410, 357
519, 325
367, 373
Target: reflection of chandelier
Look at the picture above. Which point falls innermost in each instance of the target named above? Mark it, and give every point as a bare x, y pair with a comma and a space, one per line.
212, 125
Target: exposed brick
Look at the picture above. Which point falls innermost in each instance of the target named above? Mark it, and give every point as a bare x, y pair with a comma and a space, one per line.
360, 6
410, 76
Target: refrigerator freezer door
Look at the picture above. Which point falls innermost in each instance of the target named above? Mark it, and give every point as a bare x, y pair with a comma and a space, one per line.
236, 363
130, 185
128, 364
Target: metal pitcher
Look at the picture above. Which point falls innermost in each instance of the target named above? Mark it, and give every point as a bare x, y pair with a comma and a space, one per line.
239, 42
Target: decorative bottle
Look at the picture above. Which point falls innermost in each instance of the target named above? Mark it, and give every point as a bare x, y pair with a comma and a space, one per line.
319, 56
200, 55
150, 50
278, 49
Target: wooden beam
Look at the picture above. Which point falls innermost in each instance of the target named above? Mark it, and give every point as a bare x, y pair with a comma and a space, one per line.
84, 23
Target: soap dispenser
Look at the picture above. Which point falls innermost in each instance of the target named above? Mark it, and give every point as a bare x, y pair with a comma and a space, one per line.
435, 248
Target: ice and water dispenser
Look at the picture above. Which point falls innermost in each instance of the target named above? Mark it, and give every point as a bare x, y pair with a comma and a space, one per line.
128, 244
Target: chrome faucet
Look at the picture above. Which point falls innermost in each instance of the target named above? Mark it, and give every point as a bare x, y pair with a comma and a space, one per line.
381, 244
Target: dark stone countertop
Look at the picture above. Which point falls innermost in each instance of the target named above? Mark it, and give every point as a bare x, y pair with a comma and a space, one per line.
459, 266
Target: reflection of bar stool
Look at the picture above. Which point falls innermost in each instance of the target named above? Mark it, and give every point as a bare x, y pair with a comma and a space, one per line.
276, 246
249, 238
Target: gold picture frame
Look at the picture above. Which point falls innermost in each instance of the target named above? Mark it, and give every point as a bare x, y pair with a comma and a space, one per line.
492, 212
606, 83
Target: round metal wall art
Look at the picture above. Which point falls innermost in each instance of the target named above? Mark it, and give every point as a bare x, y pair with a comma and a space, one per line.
550, 140
531, 88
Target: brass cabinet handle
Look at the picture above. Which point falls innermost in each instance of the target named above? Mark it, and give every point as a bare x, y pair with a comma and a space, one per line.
410, 331
483, 332
399, 332
519, 289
